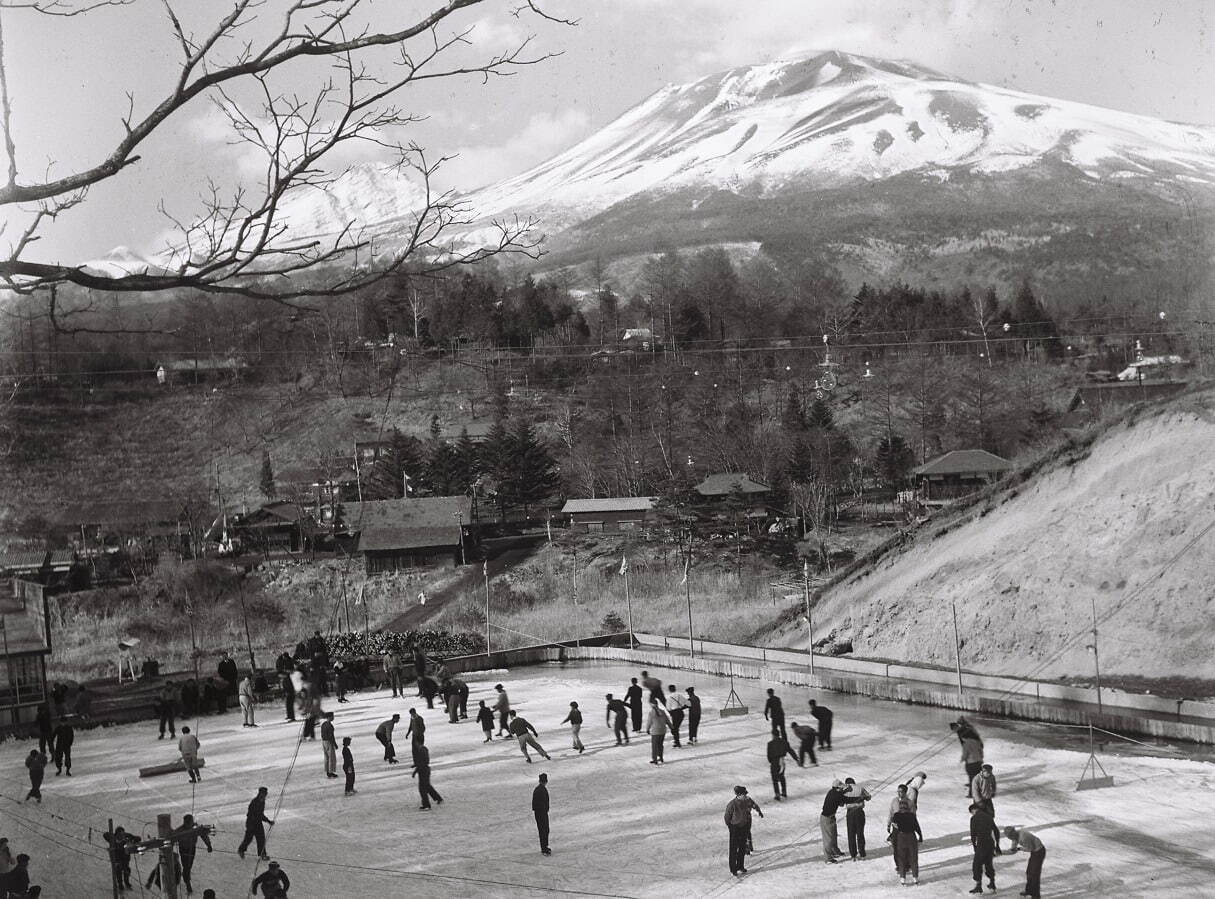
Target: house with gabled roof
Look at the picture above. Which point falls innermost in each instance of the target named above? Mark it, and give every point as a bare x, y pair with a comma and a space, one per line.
959, 473
398, 534
609, 514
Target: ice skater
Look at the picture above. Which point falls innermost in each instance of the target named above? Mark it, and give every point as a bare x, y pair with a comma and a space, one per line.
675, 708
65, 736
855, 797
189, 748
392, 672
574, 719
36, 763
972, 759
274, 882
633, 697
540, 810
654, 685
826, 822
617, 719
247, 701
329, 745
656, 726
255, 819
502, 707
981, 826
187, 837
485, 717
522, 730
774, 711
348, 766
825, 717
421, 770
1020, 838
777, 750
907, 839
120, 859
416, 732
983, 791
383, 733
805, 743
738, 821
693, 714
166, 707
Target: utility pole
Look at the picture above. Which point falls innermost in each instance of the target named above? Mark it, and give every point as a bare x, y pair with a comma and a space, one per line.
809, 620
109, 853
193, 640
687, 589
489, 645
628, 598
1096, 656
248, 638
574, 572
957, 646
168, 876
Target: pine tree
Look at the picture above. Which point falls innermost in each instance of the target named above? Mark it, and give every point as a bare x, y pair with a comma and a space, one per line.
441, 473
266, 481
533, 475
894, 459
820, 416
465, 463
495, 457
794, 418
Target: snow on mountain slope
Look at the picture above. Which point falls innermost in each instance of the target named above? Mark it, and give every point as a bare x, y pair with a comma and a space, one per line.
835, 118
120, 262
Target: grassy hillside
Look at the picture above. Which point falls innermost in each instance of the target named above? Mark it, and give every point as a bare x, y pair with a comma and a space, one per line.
1125, 523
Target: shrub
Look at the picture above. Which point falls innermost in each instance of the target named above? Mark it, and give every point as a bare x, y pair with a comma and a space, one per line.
613, 623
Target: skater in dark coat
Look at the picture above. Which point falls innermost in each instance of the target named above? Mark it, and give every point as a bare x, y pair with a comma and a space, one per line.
633, 696
348, 765
120, 858
1023, 839
805, 743
485, 717
421, 770
824, 716
46, 730
907, 839
288, 695
654, 685
274, 882
855, 798
617, 719
774, 711
416, 733
36, 763
675, 708
738, 821
574, 719
255, 818
65, 736
226, 669
984, 846
777, 750
166, 709
187, 845
16, 883
522, 730
383, 733
540, 805
693, 714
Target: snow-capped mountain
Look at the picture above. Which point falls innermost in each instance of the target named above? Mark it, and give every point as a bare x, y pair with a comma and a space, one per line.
120, 262
834, 119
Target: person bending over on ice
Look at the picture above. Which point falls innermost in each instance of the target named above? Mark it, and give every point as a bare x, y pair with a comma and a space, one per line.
273, 881
1023, 839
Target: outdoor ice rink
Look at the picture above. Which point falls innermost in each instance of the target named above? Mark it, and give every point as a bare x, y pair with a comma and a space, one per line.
620, 827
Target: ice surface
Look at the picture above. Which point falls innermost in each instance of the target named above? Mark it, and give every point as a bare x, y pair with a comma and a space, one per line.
620, 826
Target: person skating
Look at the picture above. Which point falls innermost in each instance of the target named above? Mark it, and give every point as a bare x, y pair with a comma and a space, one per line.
693, 714
654, 685
416, 733
288, 686
329, 745
855, 797
526, 735
981, 826
777, 750
340, 680
255, 821
574, 718
421, 770
17, 881
502, 707
826, 822
805, 743
540, 805
274, 882
633, 696
46, 728
189, 747
166, 707
1020, 838
348, 766
310, 698
738, 821
226, 669
617, 719
907, 839
247, 701
485, 717
65, 736
972, 759
450, 703
656, 726
392, 672
675, 708
983, 791
383, 733
774, 711
825, 717
907, 792
460, 691
36, 763
187, 838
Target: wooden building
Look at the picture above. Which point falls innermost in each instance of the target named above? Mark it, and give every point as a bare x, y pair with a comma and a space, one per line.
279, 526
398, 534
1095, 400
959, 473
609, 514
25, 640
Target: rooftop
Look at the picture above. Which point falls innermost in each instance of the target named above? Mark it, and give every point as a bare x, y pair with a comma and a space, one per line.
970, 461
408, 523
608, 504
730, 482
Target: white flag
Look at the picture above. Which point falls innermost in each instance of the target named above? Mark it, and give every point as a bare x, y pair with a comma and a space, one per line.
686, 564
485, 568
624, 565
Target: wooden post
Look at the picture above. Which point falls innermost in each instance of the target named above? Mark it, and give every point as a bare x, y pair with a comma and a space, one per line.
1096, 658
248, 637
628, 599
168, 876
110, 860
489, 640
809, 620
957, 646
687, 585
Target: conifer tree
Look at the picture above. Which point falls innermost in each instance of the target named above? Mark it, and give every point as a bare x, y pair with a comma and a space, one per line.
266, 481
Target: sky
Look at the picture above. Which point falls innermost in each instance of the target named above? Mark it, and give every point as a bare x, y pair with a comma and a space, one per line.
72, 80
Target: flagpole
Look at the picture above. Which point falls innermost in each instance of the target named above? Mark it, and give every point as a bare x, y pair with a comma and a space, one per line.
809, 621
489, 646
687, 586
628, 598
